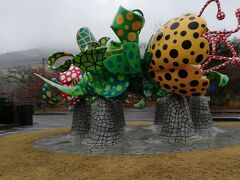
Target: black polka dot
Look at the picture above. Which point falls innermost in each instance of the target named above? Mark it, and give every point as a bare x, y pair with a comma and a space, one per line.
161, 67
181, 19
182, 85
165, 60
192, 53
153, 62
196, 94
207, 52
159, 36
174, 41
205, 83
191, 18
172, 70
183, 91
165, 46
186, 44
185, 61
175, 33
183, 33
174, 53
168, 76
199, 58
182, 73
152, 74
174, 87
196, 72
176, 64
158, 53
187, 14
158, 83
166, 86
194, 83
167, 37
192, 90
203, 89
153, 46
174, 26
176, 80
203, 25
193, 25
202, 45
195, 35
160, 78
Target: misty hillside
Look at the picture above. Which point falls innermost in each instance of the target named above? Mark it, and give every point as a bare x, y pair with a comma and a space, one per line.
31, 57
25, 58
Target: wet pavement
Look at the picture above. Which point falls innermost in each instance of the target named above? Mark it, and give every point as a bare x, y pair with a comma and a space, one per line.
46, 122
135, 139
142, 140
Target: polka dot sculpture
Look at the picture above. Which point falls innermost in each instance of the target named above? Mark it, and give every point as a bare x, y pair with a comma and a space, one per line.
181, 50
106, 69
68, 79
176, 57
178, 51
128, 24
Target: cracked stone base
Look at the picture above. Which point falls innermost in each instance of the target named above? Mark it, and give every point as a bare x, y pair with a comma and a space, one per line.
81, 119
139, 140
121, 123
175, 121
104, 129
200, 112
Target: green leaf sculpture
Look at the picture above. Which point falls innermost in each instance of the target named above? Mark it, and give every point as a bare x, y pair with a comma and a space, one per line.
222, 79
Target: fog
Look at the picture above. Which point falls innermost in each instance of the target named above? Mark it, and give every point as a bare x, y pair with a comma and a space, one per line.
27, 24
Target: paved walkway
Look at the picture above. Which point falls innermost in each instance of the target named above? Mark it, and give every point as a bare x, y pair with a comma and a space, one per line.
142, 140
45, 122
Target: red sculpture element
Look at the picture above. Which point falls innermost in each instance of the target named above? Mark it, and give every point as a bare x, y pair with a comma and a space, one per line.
68, 78
215, 37
220, 14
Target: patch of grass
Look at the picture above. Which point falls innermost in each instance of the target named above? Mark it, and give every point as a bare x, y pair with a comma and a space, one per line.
229, 124
18, 160
139, 123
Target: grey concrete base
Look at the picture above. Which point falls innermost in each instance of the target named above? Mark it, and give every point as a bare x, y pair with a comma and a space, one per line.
200, 112
121, 123
81, 119
104, 127
140, 140
174, 118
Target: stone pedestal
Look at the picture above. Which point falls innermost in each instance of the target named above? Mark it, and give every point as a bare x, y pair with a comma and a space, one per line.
200, 111
121, 123
104, 126
81, 119
175, 120
160, 110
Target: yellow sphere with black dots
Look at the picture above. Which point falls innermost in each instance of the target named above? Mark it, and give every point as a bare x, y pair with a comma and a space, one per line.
178, 50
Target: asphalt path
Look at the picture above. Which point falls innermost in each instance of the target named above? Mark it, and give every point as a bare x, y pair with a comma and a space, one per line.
46, 122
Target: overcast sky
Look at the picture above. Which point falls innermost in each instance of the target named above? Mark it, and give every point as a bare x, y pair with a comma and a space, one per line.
26, 24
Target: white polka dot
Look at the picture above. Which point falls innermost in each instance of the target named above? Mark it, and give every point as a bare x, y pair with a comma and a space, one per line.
74, 75
62, 77
69, 79
68, 73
